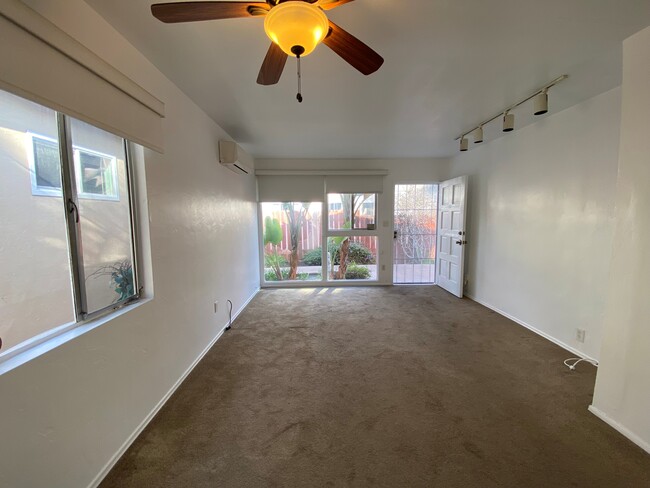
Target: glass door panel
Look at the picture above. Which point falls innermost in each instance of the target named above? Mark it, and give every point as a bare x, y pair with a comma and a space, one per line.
414, 243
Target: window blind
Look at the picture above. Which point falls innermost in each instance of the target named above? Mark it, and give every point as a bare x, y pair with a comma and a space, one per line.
290, 188
42, 63
355, 184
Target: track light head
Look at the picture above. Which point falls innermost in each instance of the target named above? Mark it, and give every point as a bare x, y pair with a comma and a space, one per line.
464, 144
478, 135
541, 103
508, 122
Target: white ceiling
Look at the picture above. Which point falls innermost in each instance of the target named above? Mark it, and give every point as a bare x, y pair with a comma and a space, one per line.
449, 64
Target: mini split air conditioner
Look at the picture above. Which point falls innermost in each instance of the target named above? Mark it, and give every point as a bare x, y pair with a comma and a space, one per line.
235, 158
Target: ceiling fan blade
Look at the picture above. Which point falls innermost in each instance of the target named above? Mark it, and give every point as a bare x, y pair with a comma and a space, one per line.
272, 66
353, 50
196, 11
330, 4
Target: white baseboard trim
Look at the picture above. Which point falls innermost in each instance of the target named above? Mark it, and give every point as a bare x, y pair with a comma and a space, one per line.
623, 430
546, 336
134, 435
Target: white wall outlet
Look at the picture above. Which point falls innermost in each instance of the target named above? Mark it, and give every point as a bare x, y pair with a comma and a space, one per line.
216, 306
580, 335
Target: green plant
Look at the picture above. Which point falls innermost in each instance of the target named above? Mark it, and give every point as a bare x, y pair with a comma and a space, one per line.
275, 261
313, 257
272, 231
273, 236
121, 273
358, 253
270, 275
356, 272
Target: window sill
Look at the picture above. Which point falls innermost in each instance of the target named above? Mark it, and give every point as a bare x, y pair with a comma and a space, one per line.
15, 360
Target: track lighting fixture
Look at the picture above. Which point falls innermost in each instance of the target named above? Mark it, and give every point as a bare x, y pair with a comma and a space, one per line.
540, 102
478, 135
508, 122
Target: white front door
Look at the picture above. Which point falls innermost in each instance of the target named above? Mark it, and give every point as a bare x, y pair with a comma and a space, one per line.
451, 235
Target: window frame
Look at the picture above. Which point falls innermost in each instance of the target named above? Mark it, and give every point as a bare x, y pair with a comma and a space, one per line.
77, 150
38, 190
351, 216
70, 199
42, 191
326, 233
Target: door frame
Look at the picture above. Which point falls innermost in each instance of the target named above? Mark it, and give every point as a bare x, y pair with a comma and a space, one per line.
392, 220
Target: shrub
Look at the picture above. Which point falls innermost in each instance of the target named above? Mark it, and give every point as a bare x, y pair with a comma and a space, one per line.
358, 254
271, 276
356, 272
312, 258
272, 260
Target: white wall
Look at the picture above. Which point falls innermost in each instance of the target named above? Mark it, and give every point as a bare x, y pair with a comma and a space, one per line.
400, 171
622, 395
541, 216
64, 415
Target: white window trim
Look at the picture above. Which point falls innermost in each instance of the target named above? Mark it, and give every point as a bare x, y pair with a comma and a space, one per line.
95, 196
339, 232
52, 192
29, 146
326, 233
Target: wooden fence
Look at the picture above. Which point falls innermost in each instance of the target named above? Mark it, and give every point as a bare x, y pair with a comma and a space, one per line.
311, 233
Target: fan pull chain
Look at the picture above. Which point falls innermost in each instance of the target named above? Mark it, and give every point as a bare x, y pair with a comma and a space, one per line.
299, 96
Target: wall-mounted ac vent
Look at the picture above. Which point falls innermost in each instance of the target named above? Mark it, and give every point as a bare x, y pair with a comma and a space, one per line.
235, 158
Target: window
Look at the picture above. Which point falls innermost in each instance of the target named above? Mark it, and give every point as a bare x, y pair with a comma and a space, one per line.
300, 246
292, 241
45, 166
352, 258
70, 257
356, 211
96, 173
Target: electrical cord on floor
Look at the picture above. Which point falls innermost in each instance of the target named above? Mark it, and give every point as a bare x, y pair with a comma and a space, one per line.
572, 365
229, 315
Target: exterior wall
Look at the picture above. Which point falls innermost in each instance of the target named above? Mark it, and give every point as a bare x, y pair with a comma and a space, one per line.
541, 220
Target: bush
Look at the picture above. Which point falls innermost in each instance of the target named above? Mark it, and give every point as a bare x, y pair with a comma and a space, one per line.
270, 275
275, 259
312, 258
356, 272
358, 254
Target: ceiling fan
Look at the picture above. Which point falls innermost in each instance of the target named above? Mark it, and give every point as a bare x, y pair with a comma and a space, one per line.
296, 27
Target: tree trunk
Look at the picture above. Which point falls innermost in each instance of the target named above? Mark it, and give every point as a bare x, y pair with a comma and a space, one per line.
293, 263
343, 259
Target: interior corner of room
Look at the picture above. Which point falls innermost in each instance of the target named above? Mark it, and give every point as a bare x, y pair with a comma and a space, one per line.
171, 225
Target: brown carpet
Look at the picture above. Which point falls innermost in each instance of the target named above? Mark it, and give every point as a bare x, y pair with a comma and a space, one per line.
380, 387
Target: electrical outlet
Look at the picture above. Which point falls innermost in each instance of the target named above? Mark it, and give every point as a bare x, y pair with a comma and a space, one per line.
216, 306
580, 335
383, 267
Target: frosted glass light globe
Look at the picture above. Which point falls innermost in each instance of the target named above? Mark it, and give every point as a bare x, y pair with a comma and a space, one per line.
296, 23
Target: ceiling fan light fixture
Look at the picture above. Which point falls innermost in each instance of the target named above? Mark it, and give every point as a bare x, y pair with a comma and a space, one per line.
296, 24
